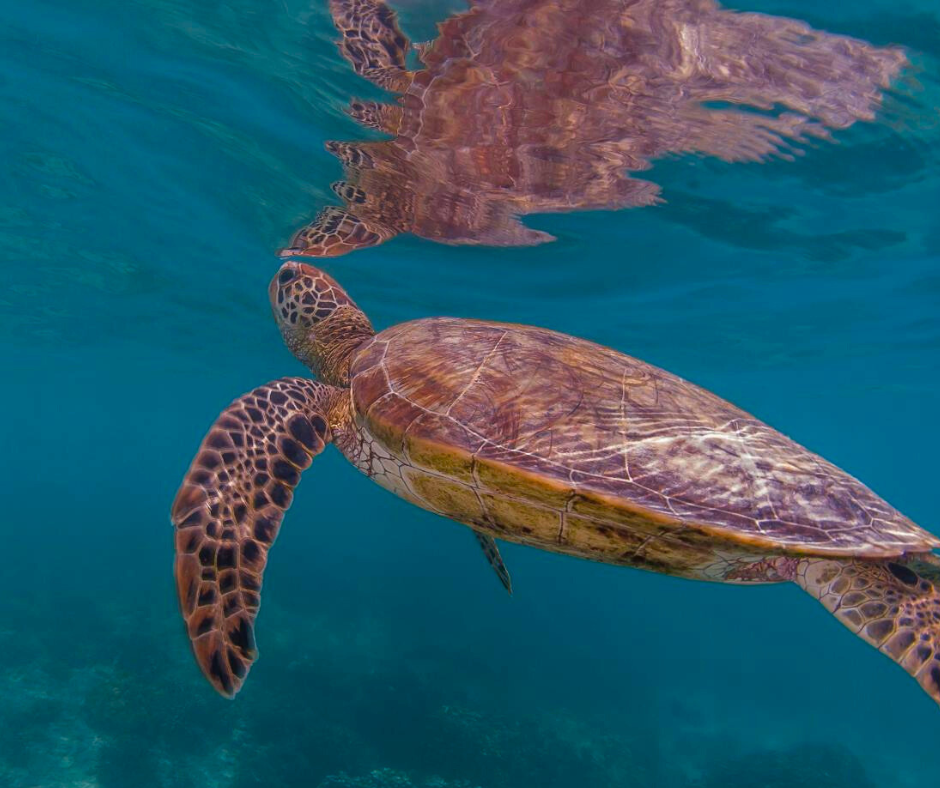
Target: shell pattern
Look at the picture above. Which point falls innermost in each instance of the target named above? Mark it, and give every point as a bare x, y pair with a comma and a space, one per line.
551, 440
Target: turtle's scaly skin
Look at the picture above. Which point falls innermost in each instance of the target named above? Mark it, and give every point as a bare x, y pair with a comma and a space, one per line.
228, 512
528, 106
547, 440
556, 442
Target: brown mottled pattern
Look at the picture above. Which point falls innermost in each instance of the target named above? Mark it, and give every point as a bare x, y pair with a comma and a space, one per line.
372, 42
546, 105
894, 607
335, 232
585, 435
301, 297
228, 511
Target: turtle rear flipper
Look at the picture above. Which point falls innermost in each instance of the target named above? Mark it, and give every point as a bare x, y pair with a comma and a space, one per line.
228, 511
491, 551
335, 232
372, 42
893, 606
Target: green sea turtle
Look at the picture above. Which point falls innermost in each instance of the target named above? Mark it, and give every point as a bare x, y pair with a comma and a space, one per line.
543, 439
533, 106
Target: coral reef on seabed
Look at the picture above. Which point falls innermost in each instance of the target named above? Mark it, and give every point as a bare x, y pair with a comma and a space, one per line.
344, 709
808, 765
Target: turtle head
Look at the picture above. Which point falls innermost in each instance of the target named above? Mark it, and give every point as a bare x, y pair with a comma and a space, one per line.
320, 323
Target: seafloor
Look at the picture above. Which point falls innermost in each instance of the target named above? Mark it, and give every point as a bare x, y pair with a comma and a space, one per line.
127, 711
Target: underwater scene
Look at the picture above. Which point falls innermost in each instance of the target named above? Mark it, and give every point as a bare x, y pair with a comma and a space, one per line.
697, 204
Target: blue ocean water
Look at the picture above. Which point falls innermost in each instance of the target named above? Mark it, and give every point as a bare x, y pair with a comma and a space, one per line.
154, 155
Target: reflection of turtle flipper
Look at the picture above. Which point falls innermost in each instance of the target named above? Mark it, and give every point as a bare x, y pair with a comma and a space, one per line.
349, 193
335, 232
350, 154
376, 115
421, 49
763, 61
513, 233
733, 135
372, 42
497, 229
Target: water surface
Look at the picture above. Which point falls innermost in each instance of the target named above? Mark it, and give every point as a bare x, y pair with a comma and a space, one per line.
155, 156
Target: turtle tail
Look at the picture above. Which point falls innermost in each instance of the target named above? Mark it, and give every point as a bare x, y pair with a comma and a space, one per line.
893, 605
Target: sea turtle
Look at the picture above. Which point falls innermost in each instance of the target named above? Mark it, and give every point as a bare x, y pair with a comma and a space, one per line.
528, 106
535, 437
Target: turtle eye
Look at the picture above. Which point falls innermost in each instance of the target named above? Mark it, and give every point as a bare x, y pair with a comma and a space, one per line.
286, 276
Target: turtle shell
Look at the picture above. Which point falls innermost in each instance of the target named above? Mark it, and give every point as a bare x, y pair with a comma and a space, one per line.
541, 416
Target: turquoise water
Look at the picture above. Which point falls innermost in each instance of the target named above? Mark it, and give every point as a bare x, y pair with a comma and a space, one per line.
154, 156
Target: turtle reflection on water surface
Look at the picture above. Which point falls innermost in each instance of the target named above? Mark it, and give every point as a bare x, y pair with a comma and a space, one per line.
533, 106
540, 438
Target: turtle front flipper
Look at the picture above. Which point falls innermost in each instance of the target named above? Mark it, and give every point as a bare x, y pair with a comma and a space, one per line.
491, 551
372, 42
229, 509
894, 606
334, 232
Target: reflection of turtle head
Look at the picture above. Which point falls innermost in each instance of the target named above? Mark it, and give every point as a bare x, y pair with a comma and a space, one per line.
334, 232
